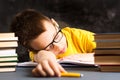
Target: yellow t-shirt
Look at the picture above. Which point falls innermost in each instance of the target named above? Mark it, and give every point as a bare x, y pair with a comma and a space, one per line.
78, 40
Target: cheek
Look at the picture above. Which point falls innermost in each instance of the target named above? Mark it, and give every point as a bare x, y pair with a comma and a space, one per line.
64, 40
61, 46
64, 43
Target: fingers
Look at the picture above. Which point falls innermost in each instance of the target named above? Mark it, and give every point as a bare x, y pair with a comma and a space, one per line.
43, 69
38, 71
47, 65
55, 68
61, 68
48, 69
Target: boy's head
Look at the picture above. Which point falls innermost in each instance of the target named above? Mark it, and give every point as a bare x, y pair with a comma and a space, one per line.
34, 29
28, 24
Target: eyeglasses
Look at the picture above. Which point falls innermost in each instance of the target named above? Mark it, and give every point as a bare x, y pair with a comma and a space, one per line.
50, 46
56, 39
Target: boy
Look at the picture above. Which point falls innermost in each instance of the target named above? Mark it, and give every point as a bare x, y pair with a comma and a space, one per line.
47, 42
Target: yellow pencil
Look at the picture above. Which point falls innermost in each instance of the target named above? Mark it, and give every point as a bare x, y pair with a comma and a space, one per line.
71, 74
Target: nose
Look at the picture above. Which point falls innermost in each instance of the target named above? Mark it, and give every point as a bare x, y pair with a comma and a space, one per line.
57, 47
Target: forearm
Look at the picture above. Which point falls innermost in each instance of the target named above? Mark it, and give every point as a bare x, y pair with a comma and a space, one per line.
43, 55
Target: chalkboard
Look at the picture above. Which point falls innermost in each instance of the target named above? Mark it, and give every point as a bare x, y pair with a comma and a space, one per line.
94, 15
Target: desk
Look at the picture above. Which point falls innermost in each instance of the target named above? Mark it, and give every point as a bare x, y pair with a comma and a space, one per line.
89, 74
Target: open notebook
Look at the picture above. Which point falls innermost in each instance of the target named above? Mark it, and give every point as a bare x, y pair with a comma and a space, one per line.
70, 61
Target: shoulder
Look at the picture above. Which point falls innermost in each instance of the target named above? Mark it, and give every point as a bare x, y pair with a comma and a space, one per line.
75, 31
70, 29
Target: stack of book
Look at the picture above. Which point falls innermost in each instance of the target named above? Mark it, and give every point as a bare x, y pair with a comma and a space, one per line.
107, 52
8, 55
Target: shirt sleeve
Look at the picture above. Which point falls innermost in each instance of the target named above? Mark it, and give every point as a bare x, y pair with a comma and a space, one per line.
31, 55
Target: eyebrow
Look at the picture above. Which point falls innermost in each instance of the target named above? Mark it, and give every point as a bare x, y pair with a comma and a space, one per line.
53, 36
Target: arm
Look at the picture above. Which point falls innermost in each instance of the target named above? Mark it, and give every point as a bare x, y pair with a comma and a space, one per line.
47, 64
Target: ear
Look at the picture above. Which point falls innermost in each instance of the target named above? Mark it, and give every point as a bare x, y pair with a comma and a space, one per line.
54, 23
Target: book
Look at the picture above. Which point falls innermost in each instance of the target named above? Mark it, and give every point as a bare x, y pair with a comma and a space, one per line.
8, 59
107, 51
78, 59
108, 43
8, 63
106, 36
7, 35
8, 44
107, 40
8, 55
110, 68
27, 64
8, 69
108, 59
7, 51
70, 61
8, 39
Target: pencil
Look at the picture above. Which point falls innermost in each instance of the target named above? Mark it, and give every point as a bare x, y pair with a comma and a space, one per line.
71, 74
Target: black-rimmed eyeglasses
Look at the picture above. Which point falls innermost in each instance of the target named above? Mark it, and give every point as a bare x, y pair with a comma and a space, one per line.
50, 46
56, 39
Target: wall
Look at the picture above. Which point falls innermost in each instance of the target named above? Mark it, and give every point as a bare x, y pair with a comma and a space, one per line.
94, 15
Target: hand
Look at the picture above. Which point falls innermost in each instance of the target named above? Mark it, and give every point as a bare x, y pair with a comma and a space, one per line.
47, 65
